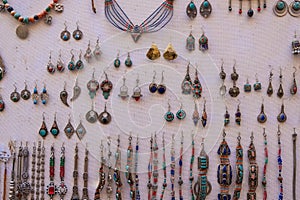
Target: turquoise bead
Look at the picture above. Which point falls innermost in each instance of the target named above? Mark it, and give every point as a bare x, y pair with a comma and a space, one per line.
69, 130
4, 1
192, 5
54, 131
80, 131
26, 20
17, 15
296, 5
205, 4
43, 133
280, 5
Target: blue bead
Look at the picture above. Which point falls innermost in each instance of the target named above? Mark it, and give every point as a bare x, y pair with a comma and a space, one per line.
34, 101
44, 101
35, 90
10, 9
180, 162
153, 89
44, 90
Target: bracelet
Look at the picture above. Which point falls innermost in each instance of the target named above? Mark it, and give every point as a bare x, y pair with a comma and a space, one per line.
264, 181
239, 169
253, 171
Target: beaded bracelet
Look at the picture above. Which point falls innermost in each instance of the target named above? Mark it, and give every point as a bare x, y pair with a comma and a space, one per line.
264, 181
164, 169
180, 181
239, 169
279, 160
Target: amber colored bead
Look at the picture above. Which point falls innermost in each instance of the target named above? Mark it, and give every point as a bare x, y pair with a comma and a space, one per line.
31, 19
21, 19
13, 13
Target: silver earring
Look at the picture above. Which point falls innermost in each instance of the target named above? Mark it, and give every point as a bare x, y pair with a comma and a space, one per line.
60, 66
76, 91
124, 90
91, 116
295, 45
88, 53
65, 34
190, 42
104, 117
77, 34
25, 93
137, 91
93, 86
50, 66
97, 52
15, 96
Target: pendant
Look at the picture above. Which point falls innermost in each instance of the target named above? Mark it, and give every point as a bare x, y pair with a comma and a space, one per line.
262, 117
205, 9
180, 114
54, 129
153, 53
170, 53
190, 42
69, 129
2, 69
104, 117
280, 92
124, 90
128, 61
238, 115
204, 115
136, 33
91, 116
191, 10
22, 31
43, 130
80, 131
137, 91
196, 116
203, 43
117, 62
93, 86
186, 85
2, 104
15, 96
247, 86
196, 87
64, 96
281, 117
106, 86
76, 91
234, 91
226, 118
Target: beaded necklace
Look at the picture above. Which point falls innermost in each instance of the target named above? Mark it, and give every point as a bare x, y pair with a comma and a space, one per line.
22, 30
172, 172
180, 181
137, 191
253, 170
51, 188
294, 136
38, 170
155, 169
117, 177
109, 188
43, 172
156, 21
191, 179
101, 183
33, 162
164, 185
62, 188
149, 185
239, 169
264, 181
128, 172
279, 160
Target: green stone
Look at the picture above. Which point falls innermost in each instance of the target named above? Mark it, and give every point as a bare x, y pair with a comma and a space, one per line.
54, 131
26, 20
117, 63
105, 95
17, 15
48, 9
280, 5
296, 5
205, 4
4, 1
43, 133
192, 5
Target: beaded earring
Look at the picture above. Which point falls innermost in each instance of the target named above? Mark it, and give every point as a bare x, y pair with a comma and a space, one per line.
91, 116
64, 95
280, 91
205, 9
169, 116
180, 114
281, 117
60, 66
153, 52
71, 64
262, 117
77, 34
270, 87
238, 114
97, 51
128, 61
65, 34
76, 91
293, 89
79, 64
44, 95
204, 115
196, 116
191, 10
153, 85
124, 90
161, 88
294, 8
196, 86
226, 117
35, 95
137, 91
190, 42
69, 129
257, 85
203, 42
50, 65
295, 45
54, 129
222, 76
186, 85
280, 8
43, 130
88, 53
117, 61
25, 93
104, 117
15, 96
106, 86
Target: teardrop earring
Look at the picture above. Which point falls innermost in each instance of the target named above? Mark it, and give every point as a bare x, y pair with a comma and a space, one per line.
196, 87
77, 34
293, 89
180, 114
250, 12
137, 91
169, 116
104, 117
234, 91
238, 114
106, 86
196, 116
294, 8
69, 129
43, 130
203, 42
186, 85
280, 91
91, 116
270, 87
54, 129
117, 62
128, 61
204, 114
280, 8
190, 42
262, 117
76, 91
80, 130
50, 66
44, 95
222, 75
88, 53
257, 85
93, 86
153, 52
247, 86
153, 85
97, 51
79, 64
15, 96
281, 117
64, 95
226, 117
65, 34
191, 10
25, 93
205, 9
71, 64
295, 45
35, 95
60, 66
161, 88
124, 90
170, 53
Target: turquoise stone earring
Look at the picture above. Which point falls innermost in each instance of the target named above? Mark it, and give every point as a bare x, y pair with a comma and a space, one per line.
43, 130
280, 8
80, 130
71, 64
25, 93
69, 129
190, 42
54, 129
205, 9
79, 64
294, 8
15, 96
262, 117
128, 61
35, 95
257, 85
169, 116
180, 114
106, 86
282, 116
247, 86
117, 62
44, 95
191, 10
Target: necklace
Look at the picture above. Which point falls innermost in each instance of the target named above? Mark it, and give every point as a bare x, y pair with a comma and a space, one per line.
294, 136
279, 160
51, 188
264, 181
191, 179
156, 21
109, 188
164, 165
22, 30
33, 162
75, 195
172, 172
180, 181
101, 183
25, 187
12, 184
253, 170
43, 172
155, 169
239, 169
149, 185
85, 193
137, 191
117, 176
128, 172
19, 172
62, 188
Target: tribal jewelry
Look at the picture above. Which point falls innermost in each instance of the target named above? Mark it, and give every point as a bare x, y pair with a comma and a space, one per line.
204, 115
190, 40
85, 192
280, 91
137, 191
164, 165
222, 76
239, 169
155, 169
12, 183
106, 86
62, 188
101, 183
262, 117
2, 67
117, 176
257, 85
25, 93
38, 170
76, 91
191, 10
196, 116
156, 21
224, 173
279, 160
172, 165
129, 166
264, 181
226, 117
33, 162
75, 195
4, 157
64, 95
180, 181
153, 53
109, 188
51, 187
191, 178
205, 9
238, 114
196, 86
295, 45
149, 185
43, 172
202, 187
293, 89
294, 137
270, 87
186, 85
19, 174
281, 117
253, 171
25, 187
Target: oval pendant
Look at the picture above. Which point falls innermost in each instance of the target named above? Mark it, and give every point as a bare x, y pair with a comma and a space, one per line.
104, 117
294, 88
128, 61
117, 63
22, 31
270, 89
280, 92
169, 116
205, 9
69, 130
91, 116
262, 117
282, 116
191, 10
180, 114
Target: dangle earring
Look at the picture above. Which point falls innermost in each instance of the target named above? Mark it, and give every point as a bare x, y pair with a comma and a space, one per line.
204, 115
64, 95
280, 8
25, 93
88, 53
262, 117
294, 8
226, 117
161, 88
97, 52
153, 85
191, 10
205, 9
270, 87
153, 53
91, 116
77, 34
293, 89
54, 129
79, 64
229, 6
280, 91
196, 116
257, 85
203, 42
170, 53
234, 91
238, 114
35, 95
2, 69
71, 64
222, 75
43, 130
60, 66
137, 91
180, 114
2, 104
186, 85
50, 66
295, 45
250, 12
93, 86
69, 129
247, 86
106, 86
65, 34
128, 61
196, 86
124, 90
44, 95
76, 91
190, 42
117, 61
15, 96
169, 116
80, 130
104, 117
281, 117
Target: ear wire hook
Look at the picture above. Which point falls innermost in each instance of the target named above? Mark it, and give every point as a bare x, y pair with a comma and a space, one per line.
162, 76
154, 75
65, 25
43, 114
234, 60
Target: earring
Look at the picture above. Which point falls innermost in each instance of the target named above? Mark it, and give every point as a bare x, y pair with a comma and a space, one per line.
2, 104
234, 91
80, 130
54, 129
43, 130
180, 114
226, 118
203, 42
170, 53
106, 86
257, 85
124, 90
64, 95
196, 115
15, 96
196, 87
128, 61
69, 129
262, 117
137, 91
25, 93
230, 6
280, 8
270, 87
93, 86
71, 65
281, 117
91, 116
2, 68
295, 45
186, 85
76, 91
205, 8
88, 53
204, 115
77, 34
293, 89
222, 75
65, 35
280, 91
117, 61
104, 117
191, 10
247, 86
250, 12
190, 42
44, 95
79, 64
60, 66
50, 66
161, 88
238, 114
169, 116
35, 95
153, 85
153, 53
294, 8
97, 52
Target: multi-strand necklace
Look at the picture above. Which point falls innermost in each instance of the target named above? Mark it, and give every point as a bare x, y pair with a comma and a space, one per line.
279, 160
164, 165
129, 166
239, 169
101, 183
180, 181
155, 169
117, 177
253, 171
264, 181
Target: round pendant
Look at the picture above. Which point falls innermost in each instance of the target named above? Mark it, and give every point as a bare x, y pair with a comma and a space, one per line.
104, 118
91, 116
169, 116
77, 34
161, 89
25, 94
280, 8
22, 31
153, 87
180, 114
65, 35
15, 96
